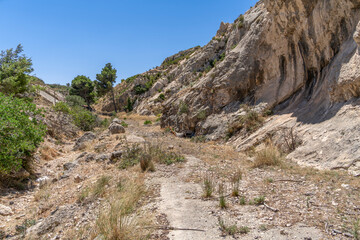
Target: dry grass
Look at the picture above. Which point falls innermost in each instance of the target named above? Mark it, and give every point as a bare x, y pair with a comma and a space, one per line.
95, 191
119, 221
136, 117
208, 186
48, 153
235, 183
43, 194
147, 156
100, 186
222, 191
269, 156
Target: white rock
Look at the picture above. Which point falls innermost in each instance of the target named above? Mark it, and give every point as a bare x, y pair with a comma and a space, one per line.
5, 211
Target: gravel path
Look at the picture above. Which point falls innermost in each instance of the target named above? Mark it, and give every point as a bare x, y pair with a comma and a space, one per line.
183, 208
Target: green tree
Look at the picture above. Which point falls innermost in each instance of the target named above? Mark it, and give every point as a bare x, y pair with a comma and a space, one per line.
20, 132
105, 82
14, 71
82, 86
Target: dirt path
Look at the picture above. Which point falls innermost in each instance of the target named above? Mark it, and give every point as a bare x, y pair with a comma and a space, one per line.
179, 201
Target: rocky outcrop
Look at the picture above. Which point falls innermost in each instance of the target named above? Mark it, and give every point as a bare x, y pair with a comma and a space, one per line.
116, 128
299, 58
80, 143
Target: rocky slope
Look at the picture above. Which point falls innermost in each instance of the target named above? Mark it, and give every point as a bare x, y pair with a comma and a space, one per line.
299, 58
77, 192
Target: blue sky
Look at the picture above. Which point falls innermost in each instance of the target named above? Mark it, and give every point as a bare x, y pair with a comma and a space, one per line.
66, 38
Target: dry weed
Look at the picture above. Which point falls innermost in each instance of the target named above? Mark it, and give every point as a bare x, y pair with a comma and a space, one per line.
269, 156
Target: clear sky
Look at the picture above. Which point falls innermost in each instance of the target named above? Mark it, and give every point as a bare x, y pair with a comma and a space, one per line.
66, 38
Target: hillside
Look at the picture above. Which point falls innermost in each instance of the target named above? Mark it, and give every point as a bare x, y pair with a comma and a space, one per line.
255, 135
295, 58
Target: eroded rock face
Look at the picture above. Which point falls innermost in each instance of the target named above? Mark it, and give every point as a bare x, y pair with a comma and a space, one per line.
297, 57
279, 49
357, 34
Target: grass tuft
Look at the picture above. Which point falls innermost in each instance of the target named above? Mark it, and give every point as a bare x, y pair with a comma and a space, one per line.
270, 156
232, 230
208, 186
259, 200
222, 200
235, 183
118, 220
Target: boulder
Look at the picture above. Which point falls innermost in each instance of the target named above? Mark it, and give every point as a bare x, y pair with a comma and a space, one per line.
116, 128
60, 215
100, 147
116, 155
5, 211
90, 157
116, 120
43, 180
69, 165
102, 158
80, 143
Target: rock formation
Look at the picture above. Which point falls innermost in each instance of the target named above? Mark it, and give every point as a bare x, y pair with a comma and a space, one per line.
299, 58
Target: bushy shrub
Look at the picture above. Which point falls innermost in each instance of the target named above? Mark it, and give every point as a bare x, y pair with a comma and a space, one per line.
62, 107
162, 96
84, 119
147, 122
20, 132
74, 100
129, 105
139, 89
183, 108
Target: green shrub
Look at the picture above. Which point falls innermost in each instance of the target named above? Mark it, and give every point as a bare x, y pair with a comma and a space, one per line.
131, 156
169, 158
105, 123
147, 122
231, 229
183, 108
20, 132
161, 97
259, 200
179, 57
201, 115
222, 56
208, 186
83, 119
74, 100
124, 124
129, 105
140, 89
62, 107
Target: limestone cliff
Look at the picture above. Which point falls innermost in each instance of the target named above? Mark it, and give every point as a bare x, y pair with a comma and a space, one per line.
299, 58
